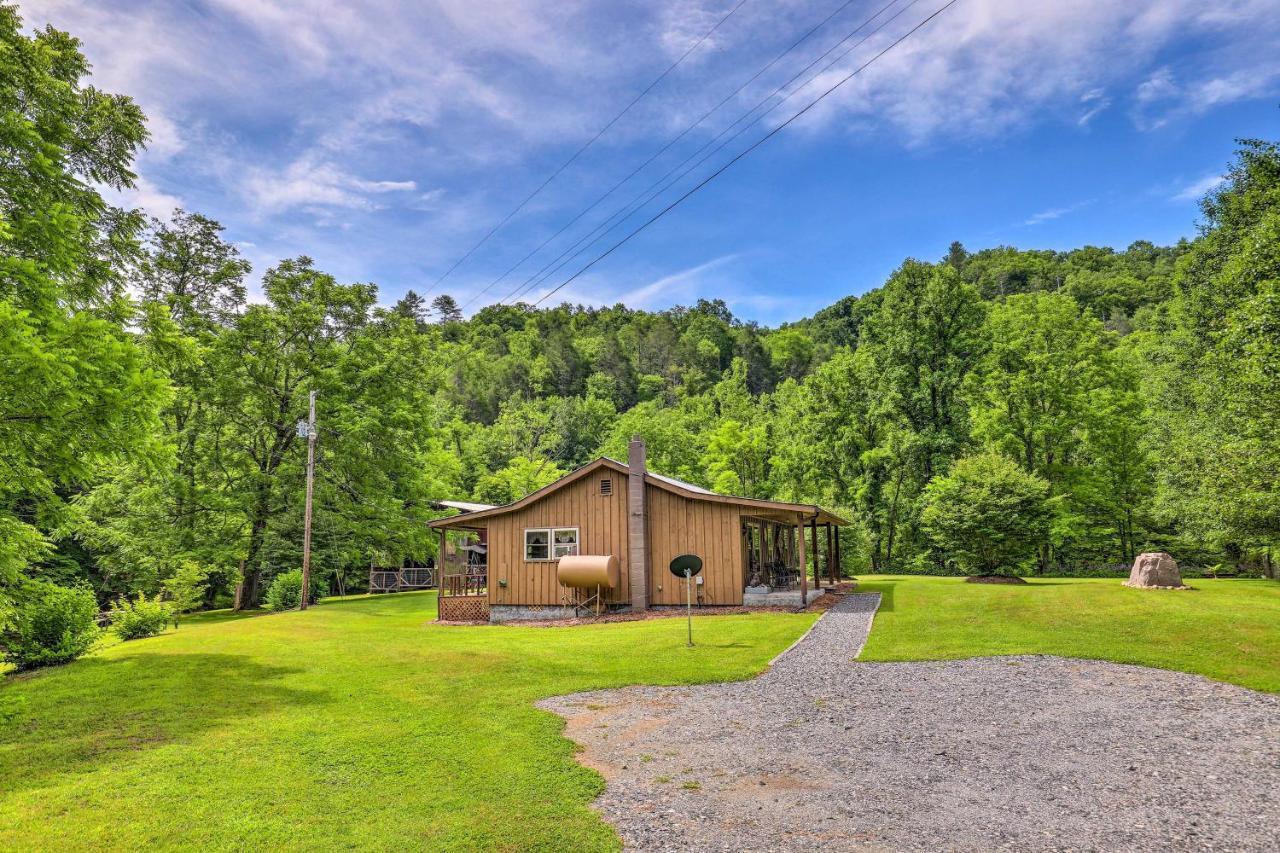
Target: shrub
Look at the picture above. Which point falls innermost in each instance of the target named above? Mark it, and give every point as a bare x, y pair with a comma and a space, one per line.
987, 514
142, 617
186, 588
49, 624
285, 592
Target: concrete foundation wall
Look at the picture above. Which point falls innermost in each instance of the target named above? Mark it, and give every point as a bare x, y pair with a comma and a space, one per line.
514, 612
788, 598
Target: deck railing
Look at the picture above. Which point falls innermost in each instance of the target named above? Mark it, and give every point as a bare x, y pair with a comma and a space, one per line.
397, 580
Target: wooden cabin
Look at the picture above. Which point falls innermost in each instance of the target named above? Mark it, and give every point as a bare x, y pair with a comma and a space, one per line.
753, 552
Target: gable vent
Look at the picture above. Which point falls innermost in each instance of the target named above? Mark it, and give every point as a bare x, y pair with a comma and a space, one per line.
606, 486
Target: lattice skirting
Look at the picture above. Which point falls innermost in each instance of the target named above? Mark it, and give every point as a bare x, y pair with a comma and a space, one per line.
464, 608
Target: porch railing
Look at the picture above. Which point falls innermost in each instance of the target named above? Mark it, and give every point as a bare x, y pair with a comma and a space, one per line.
474, 580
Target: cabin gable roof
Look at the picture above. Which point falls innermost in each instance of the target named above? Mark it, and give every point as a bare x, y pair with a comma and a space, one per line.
661, 481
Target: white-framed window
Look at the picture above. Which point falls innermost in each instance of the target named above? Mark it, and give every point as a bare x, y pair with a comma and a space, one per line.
550, 543
537, 544
564, 542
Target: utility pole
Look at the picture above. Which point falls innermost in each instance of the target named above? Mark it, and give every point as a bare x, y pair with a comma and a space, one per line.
310, 426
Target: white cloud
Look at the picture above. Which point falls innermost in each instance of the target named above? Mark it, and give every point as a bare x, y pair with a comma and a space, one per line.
310, 184
1095, 102
1055, 213
144, 195
986, 67
1156, 87
684, 284
1162, 98
1197, 189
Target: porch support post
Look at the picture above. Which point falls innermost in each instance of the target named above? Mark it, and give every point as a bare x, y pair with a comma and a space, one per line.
817, 561
440, 568
804, 565
831, 555
839, 564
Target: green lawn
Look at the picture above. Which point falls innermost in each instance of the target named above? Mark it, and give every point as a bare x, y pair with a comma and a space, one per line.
361, 725
357, 724
1225, 629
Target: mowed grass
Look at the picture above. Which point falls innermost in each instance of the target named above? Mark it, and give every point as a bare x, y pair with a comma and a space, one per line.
361, 724
1226, 629
358, 724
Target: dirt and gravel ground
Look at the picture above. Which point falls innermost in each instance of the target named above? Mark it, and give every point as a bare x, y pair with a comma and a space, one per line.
1018, 753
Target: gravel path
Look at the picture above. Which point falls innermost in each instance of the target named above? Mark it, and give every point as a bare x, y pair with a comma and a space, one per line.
1022, 753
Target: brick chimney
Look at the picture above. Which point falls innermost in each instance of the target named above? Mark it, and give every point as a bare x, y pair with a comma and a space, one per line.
637, 526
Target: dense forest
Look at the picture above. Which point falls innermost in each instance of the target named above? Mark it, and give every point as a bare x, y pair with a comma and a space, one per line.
148, 410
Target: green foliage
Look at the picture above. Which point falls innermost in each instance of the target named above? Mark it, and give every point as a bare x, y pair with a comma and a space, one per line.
75, 389
521, 476
1212, 366
285, 592
737, 458
1055, 396
186, 588
48, 625
987, 514
141, 617
791, 352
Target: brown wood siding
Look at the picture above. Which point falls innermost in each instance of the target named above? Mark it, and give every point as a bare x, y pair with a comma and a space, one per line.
713, 531
602, 529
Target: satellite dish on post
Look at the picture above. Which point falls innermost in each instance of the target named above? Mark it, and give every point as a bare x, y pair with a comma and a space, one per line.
686, 566
691, 563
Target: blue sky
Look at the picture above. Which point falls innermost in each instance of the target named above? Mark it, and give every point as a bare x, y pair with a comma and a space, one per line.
384, 141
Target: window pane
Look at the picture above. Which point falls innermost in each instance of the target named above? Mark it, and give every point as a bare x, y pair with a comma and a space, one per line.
564, 541
537, 544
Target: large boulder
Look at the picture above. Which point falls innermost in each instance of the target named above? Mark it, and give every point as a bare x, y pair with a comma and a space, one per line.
1155, 571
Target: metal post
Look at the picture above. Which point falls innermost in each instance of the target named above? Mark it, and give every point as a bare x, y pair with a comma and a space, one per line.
688, 602
306, 529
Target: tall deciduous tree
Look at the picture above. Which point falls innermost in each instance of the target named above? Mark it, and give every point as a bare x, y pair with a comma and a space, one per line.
263, 369
1214, 368
1055, 397
75, 390
926, 338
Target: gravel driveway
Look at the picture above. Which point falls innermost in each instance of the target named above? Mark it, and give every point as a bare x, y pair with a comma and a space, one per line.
1026, 752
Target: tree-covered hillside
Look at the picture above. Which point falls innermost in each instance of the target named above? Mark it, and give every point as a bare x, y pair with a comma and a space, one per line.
148, 411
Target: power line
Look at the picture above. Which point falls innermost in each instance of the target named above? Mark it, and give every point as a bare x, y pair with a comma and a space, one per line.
744, 153
588, 144
846, 4
661, 185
